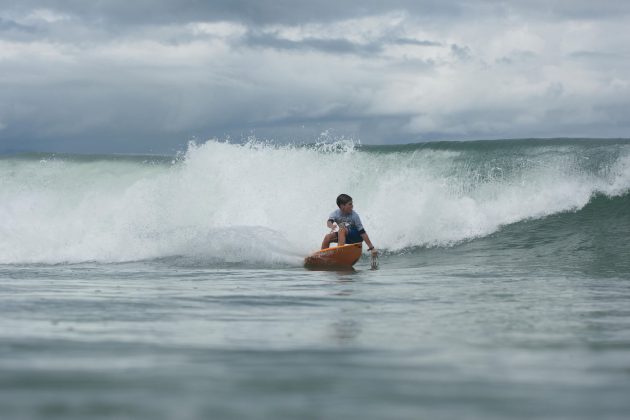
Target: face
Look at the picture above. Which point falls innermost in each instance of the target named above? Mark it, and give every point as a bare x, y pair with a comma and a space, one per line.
346, 208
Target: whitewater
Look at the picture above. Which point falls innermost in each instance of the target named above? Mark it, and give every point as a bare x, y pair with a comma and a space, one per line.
264, 204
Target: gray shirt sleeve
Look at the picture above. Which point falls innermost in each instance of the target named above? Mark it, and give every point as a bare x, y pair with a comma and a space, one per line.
357, 222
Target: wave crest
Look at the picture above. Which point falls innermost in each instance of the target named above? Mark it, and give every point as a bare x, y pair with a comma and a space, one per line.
264, 203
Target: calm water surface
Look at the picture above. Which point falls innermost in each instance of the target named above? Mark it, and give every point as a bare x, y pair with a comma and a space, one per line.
440, 334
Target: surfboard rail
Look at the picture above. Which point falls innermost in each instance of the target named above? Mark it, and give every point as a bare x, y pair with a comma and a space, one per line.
337, 256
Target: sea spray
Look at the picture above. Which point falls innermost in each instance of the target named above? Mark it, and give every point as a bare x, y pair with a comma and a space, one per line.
260, 203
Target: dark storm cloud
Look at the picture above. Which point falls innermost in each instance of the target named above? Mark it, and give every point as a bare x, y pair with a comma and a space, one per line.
10, 26
418, 42
113, 75
295, 12
251, 11
10, 29
332, 46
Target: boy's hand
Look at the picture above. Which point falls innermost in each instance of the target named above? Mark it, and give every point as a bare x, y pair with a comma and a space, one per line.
374, 262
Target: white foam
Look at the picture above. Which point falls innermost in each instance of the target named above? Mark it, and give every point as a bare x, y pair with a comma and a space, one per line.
259, 203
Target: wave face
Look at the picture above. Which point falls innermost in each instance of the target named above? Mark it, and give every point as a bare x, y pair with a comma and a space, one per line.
260, 203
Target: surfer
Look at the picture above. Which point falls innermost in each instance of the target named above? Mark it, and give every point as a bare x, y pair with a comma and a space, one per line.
350, 229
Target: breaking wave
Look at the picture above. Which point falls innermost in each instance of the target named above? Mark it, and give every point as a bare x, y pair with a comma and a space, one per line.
263, 203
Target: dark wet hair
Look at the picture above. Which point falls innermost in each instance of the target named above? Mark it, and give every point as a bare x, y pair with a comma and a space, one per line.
343, 199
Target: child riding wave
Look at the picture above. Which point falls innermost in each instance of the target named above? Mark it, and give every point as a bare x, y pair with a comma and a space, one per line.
350, 229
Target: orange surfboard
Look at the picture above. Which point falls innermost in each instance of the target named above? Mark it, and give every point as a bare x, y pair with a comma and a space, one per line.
337, 256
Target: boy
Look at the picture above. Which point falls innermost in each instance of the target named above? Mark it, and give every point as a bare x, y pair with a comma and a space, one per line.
350, 227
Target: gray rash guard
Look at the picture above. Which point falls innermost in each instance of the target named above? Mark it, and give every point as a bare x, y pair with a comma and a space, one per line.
352, 220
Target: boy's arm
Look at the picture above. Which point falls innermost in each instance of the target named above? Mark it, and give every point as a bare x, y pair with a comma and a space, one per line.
366, 238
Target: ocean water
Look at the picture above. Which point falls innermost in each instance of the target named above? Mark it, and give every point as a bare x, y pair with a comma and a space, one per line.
172, 287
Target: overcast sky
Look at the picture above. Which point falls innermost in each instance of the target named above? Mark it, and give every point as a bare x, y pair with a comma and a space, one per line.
149, 75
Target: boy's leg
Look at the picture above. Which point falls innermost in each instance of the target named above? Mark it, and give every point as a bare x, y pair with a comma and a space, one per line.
342, 236
331, 237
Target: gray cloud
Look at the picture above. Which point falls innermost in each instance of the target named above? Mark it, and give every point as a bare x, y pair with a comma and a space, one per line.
113, 76
410, 41
597, 55
333, 46
295, 12
12, 30
250, 11
11, 26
